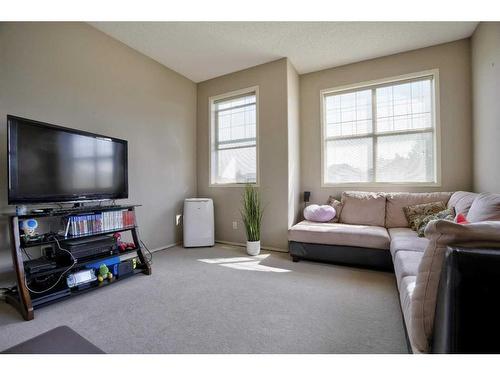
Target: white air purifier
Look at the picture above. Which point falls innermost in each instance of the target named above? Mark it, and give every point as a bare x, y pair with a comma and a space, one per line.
198, 222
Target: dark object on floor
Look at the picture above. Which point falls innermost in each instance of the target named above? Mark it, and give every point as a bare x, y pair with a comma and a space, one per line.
467, 310
345, 255
60, 340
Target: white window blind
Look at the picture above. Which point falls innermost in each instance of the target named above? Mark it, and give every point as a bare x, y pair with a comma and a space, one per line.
380, 134
234, 145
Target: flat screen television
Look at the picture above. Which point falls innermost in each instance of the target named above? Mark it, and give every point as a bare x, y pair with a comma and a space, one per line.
50, 163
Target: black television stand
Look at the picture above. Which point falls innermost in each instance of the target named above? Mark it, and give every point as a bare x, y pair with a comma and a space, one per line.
26, 301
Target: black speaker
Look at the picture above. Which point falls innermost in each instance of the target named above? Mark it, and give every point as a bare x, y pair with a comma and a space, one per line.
307, 195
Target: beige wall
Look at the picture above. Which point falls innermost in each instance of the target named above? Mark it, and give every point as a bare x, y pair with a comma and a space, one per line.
453, 62
273, 153
293, 105
486, 106
74, 75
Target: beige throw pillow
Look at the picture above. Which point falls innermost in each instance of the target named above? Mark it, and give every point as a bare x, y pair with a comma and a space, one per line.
395, 217
485, 207
363, 208
461, 201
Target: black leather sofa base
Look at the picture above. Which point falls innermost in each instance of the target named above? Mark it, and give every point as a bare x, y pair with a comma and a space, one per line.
345, 255
468, 307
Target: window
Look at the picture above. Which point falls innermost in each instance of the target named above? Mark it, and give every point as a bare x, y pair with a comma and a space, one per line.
381, 133
234, 151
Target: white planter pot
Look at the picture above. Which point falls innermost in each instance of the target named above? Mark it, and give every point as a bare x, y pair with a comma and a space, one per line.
253, 247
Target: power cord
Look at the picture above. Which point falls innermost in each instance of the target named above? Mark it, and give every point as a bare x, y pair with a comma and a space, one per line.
26, 253
150, 260
4, 291
60, 277
3, 295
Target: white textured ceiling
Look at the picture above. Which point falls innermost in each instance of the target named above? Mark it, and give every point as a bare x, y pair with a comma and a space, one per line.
204, 50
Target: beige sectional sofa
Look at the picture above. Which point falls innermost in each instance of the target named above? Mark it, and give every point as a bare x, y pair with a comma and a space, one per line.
373, 226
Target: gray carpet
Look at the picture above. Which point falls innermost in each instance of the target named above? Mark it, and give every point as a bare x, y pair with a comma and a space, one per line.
190, 306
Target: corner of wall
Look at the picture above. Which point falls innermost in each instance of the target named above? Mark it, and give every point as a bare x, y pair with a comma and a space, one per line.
293, 142
485, 67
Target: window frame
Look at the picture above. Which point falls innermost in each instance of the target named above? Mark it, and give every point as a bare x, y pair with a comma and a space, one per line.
434, 73
212, 138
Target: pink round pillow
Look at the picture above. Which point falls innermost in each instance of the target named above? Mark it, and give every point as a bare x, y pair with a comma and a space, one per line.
320, 214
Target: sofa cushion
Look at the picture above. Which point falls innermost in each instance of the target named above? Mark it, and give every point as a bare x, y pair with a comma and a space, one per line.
406, 239
485, 207
406, 264
461, 201
340, 234
440, 233
406, 291
363, 208
406, 288
394, 215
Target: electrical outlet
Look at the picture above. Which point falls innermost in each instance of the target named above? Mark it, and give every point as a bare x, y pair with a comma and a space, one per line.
178, 220
235, 225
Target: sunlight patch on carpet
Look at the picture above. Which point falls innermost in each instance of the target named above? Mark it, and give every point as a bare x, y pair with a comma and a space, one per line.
233, 260
244, 263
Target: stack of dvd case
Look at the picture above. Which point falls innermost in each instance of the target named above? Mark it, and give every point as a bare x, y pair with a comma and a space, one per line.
78, 225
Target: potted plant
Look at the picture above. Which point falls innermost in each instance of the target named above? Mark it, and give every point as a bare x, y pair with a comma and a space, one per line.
252, 217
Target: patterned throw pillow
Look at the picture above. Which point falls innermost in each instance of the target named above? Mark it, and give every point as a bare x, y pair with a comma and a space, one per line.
448, 214
415, 214
338, 208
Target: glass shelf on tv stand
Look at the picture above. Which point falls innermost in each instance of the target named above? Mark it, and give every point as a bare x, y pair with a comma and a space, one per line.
73, 211
45, 241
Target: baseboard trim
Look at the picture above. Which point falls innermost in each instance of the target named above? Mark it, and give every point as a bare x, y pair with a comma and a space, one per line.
166, 246
244, 245
270, 248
